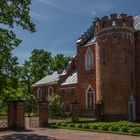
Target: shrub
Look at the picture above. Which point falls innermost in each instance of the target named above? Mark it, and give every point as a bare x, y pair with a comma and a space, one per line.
124, 129
64, 124
54, 105
104, 127
79, 125
71, 125
113, 128
95, 127
86, 126
58, 123
135, 130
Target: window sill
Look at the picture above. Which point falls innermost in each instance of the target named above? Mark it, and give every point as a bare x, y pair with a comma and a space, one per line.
89, 71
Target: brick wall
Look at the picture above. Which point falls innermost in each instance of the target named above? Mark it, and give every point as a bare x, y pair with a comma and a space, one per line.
84, 79
137, 66
68, 95
45, 90
115, 67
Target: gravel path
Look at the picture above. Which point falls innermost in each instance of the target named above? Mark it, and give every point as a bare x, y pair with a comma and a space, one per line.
62, 134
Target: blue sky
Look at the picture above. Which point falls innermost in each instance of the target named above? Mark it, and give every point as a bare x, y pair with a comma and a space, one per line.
60, 22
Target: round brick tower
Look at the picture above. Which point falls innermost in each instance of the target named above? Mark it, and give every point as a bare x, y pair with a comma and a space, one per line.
115, 53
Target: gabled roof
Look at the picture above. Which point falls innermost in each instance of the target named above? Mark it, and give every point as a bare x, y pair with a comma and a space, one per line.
48, 80
66, 77
71, 79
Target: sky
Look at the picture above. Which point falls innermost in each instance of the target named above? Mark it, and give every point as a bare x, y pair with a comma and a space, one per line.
59, 23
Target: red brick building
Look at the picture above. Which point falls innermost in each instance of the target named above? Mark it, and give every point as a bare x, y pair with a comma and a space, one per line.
106, 70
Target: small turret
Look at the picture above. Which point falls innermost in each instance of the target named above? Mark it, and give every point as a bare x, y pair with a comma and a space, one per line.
115, 46
114, 20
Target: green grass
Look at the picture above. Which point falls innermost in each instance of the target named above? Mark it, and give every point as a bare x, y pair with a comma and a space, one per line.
121, 127
3, 117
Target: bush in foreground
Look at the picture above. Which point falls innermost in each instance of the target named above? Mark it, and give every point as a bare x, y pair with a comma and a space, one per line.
122, 126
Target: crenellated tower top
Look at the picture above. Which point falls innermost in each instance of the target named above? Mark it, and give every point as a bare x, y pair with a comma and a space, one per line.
114, 20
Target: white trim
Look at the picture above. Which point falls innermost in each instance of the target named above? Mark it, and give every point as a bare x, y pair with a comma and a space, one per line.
50, 87
114, 27
86, 56
62, 88
71, 87
89, 87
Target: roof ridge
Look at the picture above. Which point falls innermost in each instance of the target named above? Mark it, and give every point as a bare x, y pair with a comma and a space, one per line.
87, 35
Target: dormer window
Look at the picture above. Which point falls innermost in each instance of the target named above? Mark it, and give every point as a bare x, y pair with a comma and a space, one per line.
89, 61
39, 93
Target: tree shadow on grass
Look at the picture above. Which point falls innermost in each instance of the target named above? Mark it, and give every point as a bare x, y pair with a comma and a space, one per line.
26, 137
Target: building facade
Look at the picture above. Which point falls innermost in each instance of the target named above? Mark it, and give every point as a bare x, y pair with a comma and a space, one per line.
106, 69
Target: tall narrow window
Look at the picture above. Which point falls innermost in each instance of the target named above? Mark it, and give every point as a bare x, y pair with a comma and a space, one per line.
73, 92
50, 91
90, 97
89, 61
39, 93
62, 92
124, 55
104, 56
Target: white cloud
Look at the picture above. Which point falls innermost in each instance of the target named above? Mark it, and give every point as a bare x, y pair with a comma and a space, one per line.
93, 12
43, 18
79, 7
46, 2
67, 8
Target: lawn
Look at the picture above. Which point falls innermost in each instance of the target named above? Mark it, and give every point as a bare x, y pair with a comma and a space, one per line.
121, 127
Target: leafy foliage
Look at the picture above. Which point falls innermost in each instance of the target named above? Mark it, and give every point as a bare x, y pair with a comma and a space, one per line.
59, 62
54, 105
122, 127
38, 66
40, 61
16, 12
12, 13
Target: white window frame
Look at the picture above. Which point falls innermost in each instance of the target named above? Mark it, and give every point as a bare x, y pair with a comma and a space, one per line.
89, 68
90, 87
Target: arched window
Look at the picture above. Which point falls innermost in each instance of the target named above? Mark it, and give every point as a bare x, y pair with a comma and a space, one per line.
90, 98
50, 91
89, 61
63, 107
113, 23
39, 93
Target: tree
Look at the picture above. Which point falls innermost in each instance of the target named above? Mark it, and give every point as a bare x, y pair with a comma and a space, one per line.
38, 66
12, 13
59, 62
55, 107
40, 61
34, 69
10, 80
